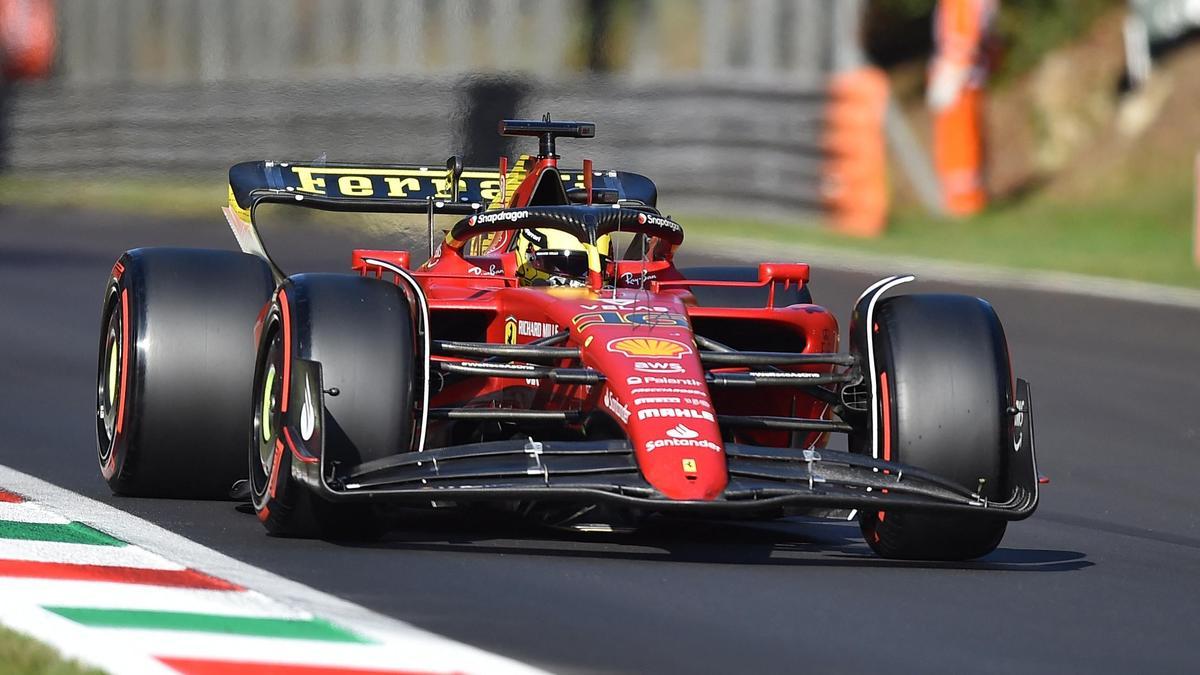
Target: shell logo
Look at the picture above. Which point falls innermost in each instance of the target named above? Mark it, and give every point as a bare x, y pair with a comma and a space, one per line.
657, 347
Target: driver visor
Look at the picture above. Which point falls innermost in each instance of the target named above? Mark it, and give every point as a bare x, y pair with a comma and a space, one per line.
563, 262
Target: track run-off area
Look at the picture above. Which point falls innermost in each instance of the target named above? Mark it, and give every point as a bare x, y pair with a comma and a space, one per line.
111, 589
1101, 579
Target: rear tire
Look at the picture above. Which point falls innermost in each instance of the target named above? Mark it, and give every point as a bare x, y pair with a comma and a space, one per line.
361, 332
732, 296
174, 370
945, 375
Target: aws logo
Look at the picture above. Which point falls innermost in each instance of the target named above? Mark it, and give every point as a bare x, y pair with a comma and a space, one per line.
658, 367
658, 347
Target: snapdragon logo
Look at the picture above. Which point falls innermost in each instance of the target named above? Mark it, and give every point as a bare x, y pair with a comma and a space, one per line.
498, 216
663, 222
658, 221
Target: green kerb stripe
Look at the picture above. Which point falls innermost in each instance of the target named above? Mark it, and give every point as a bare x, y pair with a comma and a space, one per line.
295, 629
71, 533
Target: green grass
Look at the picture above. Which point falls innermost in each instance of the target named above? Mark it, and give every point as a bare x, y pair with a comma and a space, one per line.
1140, 231
21, 655
202, 196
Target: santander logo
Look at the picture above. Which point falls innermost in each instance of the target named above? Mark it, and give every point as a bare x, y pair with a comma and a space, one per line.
681, 432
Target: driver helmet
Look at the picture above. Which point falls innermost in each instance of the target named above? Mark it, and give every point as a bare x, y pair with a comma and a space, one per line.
547, 257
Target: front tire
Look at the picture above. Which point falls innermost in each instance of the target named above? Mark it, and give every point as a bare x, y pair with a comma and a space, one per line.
945, 378
360, 330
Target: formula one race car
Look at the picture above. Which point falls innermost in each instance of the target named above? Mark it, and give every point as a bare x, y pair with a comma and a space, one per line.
530, 364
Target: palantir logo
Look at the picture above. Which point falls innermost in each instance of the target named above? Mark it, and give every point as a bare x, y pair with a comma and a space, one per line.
681, 431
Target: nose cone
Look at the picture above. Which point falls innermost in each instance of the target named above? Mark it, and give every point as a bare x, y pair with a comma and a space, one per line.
654, 385
656, 390
681, 461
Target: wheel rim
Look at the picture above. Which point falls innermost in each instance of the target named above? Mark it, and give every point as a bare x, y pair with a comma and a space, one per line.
108, 388
268, 404
267, 415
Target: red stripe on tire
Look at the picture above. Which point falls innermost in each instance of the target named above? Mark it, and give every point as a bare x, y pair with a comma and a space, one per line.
122, 575
124, 361
887, 418
887, 427
287, 349
273, 484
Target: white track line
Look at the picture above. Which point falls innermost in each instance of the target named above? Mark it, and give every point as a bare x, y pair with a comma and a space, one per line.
420, 649
930, 269
28, 512
83, 554
102, 595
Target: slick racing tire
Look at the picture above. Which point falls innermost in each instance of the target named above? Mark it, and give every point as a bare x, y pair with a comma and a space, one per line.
732, 296
174, 370
360, 331
944, 375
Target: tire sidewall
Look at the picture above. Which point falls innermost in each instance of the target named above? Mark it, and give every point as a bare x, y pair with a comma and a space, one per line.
113, 450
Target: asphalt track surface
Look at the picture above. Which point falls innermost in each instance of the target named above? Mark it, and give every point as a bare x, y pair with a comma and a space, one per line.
1103, 578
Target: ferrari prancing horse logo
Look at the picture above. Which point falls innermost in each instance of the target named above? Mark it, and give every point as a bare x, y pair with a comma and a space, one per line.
510, 331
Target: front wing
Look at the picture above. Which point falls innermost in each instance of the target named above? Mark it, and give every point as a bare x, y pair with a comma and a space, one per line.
761, 479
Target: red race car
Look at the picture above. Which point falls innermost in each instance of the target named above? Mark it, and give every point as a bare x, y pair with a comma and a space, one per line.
530, 363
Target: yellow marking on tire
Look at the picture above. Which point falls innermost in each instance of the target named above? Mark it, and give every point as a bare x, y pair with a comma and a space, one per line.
266, 404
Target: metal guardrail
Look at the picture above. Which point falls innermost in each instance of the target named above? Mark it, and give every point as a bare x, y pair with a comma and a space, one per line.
720, 101
223, 40
705, 145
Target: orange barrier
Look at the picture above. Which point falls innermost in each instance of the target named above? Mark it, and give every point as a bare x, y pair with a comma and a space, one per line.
957, 75
27, 38
854, 185
958, 153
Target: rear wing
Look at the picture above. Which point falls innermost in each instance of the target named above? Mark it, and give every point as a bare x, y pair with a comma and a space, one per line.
397, 188
388, 188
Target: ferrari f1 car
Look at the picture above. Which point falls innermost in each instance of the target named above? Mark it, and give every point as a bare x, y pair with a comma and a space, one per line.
529, 363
